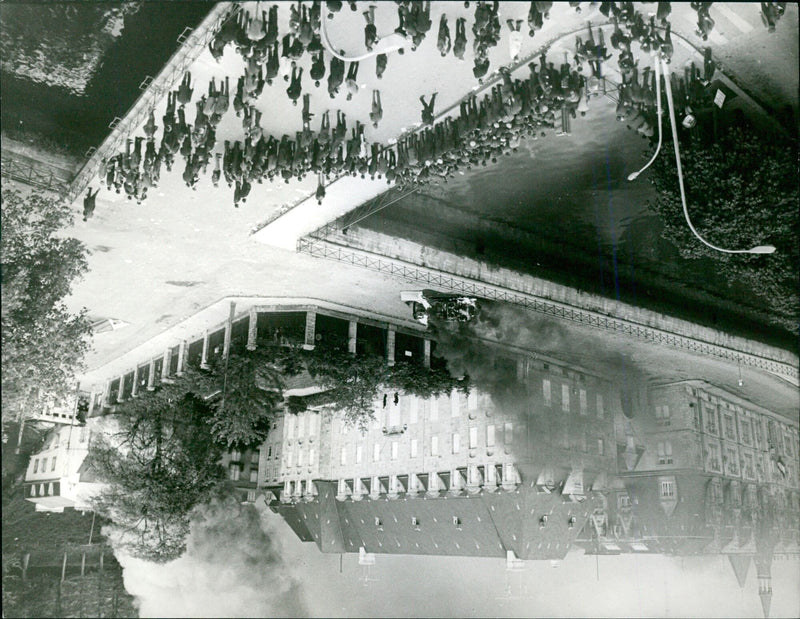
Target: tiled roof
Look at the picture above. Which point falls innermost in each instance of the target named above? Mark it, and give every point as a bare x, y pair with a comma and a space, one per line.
487, 524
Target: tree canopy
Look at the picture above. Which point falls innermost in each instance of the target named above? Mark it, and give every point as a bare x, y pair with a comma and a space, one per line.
158, 460
741, 191
356, 381
43, 345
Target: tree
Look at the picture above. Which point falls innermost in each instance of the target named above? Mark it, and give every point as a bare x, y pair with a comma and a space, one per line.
415, 379
43, 345
252, 391
354, 380
741, 191
158, 461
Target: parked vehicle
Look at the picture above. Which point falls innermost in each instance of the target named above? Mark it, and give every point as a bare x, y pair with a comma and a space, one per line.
444, 306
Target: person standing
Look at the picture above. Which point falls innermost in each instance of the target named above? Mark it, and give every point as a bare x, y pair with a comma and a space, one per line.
89, 203
370, 32
443, 42
352, 76
377, 109
295, 88
427, 109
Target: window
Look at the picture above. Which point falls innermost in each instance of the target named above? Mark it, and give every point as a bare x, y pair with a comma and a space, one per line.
414, 411
251, 496
358, 454
290, 420
508, 430
269, 451
713, 461
490, 436
343, 456
36, 465
662, 415
546, 392
55, 439
623, 501
747, 431
301, 425
473, 437
664, 452
253, 475
711, 419
311, 455
376, 452
730, 432
395, 450
732, 461
312, 423
44, 464
254, 457
434, 445
601, 450
582, 396
236, 456
53, 465
434, 409
565, 398
472, 400
456, 442
667, 489
233, 472
455, 408
413, 448
748, 471
300, 457
289, 458
600, 411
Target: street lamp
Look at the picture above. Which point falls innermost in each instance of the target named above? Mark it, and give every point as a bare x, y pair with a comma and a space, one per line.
656, 63
760, 249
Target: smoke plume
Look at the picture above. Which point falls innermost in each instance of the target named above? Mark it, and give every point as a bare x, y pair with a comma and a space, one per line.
232, 568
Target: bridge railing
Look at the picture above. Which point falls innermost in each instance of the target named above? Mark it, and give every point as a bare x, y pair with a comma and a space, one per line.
153, 90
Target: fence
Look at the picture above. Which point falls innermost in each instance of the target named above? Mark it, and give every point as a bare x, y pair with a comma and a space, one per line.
31, 175
153, 90
430, 277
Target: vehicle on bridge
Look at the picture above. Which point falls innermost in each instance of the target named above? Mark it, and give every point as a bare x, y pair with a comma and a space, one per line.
441, 305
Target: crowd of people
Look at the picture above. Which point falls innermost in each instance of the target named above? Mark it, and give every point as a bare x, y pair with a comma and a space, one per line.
517, 107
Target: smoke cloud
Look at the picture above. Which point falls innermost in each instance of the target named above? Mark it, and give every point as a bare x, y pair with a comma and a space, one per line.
232, 568
472, 348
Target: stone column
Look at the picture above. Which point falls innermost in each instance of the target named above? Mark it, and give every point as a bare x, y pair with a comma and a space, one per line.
135, 386
252, 329
204, 355
520, 369
426, 353
151, 375
311, 330
226, 345
107, 394
121, 390
390, 339
352, 334
166, 364
181, 357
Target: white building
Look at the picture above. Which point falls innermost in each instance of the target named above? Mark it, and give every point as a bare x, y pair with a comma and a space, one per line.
57, 476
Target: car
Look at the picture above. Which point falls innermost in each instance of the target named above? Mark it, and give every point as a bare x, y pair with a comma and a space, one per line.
441, 305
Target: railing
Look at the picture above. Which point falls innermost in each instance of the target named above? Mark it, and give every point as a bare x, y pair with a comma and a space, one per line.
461, 285
30, 175
153, 90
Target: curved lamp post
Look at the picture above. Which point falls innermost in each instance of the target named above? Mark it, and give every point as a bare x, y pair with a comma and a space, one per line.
656, 67
760, 249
